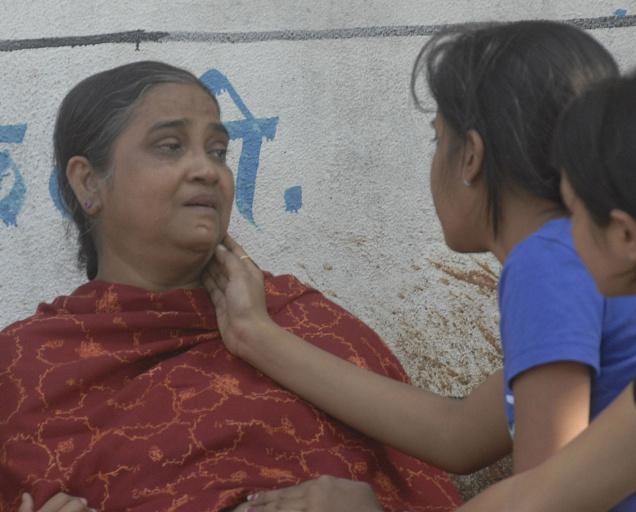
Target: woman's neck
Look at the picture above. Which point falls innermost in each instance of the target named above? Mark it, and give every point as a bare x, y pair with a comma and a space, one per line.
521, 215
155, 273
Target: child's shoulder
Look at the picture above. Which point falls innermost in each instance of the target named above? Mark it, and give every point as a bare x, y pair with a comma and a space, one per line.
551, 244
547, 260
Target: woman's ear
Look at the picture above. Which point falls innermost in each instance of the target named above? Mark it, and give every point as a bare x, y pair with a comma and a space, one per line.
472, 157
85, 183
622, 233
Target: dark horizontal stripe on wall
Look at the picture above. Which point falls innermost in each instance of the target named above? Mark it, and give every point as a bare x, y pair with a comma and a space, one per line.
137, 37
133, 36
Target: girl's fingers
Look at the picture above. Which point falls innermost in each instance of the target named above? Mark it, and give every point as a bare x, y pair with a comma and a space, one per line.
219, 277
238, 251
226, 260
232, 245
217, 297
208, 282
274, 507
230, 263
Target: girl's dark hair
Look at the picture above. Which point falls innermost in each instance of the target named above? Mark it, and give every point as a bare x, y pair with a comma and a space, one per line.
89, 120
509, 82
595, 146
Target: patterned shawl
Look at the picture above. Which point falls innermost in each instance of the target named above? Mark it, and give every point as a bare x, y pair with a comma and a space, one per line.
129, 398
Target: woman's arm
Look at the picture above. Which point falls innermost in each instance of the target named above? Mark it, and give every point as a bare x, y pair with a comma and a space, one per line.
457, 435
552, 407
591, 474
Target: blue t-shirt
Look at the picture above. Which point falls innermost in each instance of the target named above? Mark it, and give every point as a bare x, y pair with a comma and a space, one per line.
552, 311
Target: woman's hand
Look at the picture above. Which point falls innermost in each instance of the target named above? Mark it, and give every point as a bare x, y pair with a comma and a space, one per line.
326, 494
61, 502
236, 287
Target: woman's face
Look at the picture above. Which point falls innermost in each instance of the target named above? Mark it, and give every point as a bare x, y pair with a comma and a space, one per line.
170, 194
607, 267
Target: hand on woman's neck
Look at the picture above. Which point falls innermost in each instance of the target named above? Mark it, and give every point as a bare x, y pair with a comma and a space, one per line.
521, 215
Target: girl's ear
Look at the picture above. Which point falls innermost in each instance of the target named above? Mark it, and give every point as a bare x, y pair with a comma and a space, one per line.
622, 233
85, 183
472, 157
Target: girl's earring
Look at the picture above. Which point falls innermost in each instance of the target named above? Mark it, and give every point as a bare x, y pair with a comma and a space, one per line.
88, 205
467, 183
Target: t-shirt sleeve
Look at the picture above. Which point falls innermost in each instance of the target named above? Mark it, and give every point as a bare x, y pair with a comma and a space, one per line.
550, 308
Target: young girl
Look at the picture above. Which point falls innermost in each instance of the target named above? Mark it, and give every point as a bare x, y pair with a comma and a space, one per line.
568, 352
595, 146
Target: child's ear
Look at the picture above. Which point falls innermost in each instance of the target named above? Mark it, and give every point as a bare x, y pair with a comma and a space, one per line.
622, 230
473, 157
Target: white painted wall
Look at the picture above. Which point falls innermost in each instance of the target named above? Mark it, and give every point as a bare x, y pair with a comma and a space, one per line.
346, 132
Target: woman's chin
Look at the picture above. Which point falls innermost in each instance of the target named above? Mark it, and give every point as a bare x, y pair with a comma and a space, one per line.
202, 242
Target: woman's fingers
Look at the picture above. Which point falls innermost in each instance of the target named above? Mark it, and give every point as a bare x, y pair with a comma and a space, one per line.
75, 505
294, 493
27, 503
62, 502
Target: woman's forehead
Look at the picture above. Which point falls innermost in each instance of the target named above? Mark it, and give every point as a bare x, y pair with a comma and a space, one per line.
176, 101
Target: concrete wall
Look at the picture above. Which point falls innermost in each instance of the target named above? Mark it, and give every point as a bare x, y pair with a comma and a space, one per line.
333, 181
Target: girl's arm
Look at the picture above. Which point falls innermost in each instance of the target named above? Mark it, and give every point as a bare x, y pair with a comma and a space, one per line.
552, 406
591, 474
457, 435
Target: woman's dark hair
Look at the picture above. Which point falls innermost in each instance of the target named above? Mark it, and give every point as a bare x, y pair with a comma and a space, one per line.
89, 120
595, 147
509, 82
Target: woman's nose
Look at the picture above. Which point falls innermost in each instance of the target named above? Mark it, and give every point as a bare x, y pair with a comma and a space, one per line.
204, 167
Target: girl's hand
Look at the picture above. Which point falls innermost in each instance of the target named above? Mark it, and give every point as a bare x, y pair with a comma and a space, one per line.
326, 494
236, 286
61, 502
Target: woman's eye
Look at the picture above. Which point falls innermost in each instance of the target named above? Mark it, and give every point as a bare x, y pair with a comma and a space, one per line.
219, 153
169, 147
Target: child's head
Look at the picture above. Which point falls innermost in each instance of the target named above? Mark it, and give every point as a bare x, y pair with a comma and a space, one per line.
502, 88
595, 147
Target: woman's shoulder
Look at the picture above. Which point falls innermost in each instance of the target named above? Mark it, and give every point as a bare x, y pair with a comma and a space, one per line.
61, 304
285, 289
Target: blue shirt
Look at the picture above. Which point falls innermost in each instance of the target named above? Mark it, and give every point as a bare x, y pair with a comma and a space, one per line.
552, 311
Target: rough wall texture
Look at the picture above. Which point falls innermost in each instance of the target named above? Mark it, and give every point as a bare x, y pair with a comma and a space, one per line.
333, 181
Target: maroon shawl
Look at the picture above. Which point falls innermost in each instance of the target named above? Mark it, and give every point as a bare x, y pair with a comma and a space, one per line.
129, 398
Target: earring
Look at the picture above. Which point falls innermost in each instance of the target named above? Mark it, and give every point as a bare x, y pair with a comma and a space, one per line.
467, 183
88, 205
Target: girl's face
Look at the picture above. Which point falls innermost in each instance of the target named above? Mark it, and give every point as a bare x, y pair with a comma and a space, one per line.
459, 204
599, 247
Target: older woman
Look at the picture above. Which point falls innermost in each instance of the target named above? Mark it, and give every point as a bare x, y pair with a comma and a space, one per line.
122, 392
